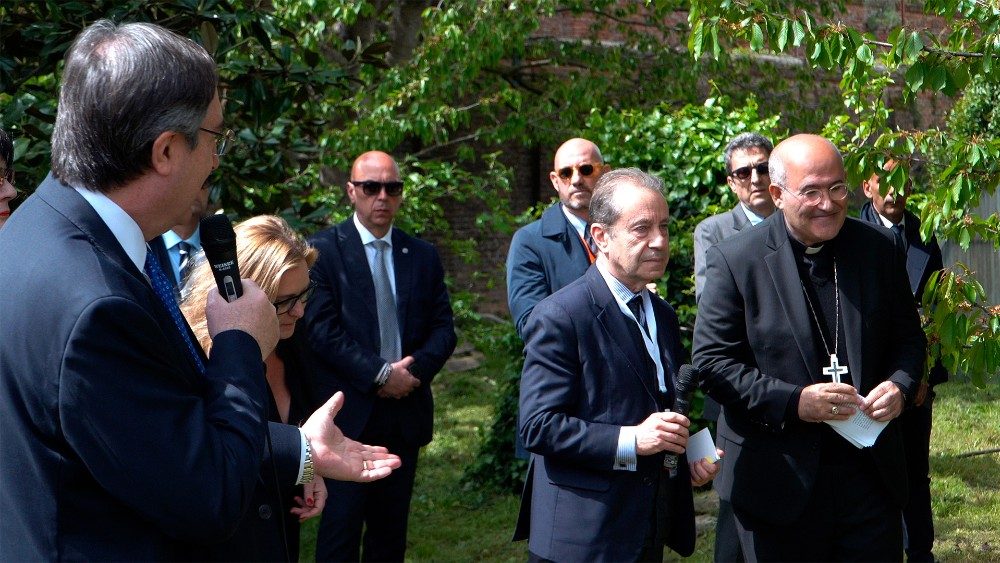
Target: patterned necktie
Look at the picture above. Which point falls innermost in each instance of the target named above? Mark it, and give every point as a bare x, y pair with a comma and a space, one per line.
385, 302
184, 250
161, 287
588, 239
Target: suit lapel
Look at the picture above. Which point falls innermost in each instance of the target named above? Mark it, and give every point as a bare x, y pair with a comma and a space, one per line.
402, 257
615, 324
71, 205
670, 363
917, 255
356, 263
851, 300
740, 220
788, 288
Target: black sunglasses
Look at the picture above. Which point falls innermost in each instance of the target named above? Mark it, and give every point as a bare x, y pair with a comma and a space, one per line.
743, 172
567, 171
287, 304
372, 188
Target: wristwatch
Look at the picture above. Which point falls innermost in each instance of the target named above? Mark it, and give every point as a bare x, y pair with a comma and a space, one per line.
308, 471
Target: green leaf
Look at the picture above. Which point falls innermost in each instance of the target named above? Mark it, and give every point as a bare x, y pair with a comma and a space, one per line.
914, 46
865, 55
783, 34
798, 33
756, 37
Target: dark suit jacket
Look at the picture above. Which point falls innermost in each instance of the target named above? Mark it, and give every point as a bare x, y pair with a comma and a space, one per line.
753, 343
922, 260
587, 374
341, 324
114, 445
544, 257
710, 231
268, 527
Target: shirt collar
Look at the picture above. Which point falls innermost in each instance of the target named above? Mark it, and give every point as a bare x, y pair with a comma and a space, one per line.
171, 239
621, 292
367, 237
122, 226
577, 223
753, 217
889, 224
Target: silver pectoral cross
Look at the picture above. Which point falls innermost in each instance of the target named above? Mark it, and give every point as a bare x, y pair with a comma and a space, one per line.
835, 370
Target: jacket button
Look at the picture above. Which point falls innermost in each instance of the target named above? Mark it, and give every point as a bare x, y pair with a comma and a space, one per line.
264, 511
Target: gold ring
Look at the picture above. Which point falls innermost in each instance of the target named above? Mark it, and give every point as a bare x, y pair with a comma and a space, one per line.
835, 409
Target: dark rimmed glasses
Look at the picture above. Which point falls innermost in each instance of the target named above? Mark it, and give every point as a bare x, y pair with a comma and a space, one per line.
373, 188
222, 139
743, 172
289, 303
814, 196
585, 170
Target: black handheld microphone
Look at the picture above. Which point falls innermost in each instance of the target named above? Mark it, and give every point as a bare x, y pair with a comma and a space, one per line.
219, 242
687, 381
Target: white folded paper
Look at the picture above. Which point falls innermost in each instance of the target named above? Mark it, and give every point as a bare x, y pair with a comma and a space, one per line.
701, 446
860, 430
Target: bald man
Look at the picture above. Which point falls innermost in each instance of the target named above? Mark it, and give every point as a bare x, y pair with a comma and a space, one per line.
380, 327
553, 251
805, 320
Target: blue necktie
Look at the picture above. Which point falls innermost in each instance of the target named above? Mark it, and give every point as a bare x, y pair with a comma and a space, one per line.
161, 287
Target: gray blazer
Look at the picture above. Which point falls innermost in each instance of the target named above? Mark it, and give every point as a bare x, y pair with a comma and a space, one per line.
710, 231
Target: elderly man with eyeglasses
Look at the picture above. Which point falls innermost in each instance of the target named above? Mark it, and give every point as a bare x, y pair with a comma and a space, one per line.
379, 327
547, 254
804, 323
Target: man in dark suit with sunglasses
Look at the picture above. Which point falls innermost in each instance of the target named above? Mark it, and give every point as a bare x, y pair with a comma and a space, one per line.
380, 327
547, 254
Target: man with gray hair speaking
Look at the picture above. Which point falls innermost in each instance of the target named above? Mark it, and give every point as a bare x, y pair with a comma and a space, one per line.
121, 439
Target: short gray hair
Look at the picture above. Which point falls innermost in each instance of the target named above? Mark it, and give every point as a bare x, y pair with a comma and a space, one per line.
122, 87
604, 208
776, 170
743, 142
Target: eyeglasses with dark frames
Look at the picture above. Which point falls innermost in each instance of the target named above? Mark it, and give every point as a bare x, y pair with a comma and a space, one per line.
287, 304
743, 172
222, 139
585, 170
373, 188
814, 196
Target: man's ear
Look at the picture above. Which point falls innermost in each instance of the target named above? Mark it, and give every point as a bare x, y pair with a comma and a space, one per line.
777, 195
601, 235
350, 192
164, 155
866, 187
554, 178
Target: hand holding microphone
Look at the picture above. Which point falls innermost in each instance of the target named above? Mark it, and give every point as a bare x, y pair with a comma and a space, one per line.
687, 381
239, 304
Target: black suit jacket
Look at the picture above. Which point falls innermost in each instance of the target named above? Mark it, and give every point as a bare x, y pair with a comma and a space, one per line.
753, 344
544, 257
341, 325
114, 445
922, 260
587, 374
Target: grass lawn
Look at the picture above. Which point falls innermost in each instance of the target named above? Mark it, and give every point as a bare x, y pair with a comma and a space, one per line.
449, 523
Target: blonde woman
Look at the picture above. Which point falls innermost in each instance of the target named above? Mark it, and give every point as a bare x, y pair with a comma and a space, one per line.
278, 260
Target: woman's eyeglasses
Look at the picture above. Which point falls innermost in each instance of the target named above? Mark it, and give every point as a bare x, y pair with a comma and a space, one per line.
743, 172
289, 303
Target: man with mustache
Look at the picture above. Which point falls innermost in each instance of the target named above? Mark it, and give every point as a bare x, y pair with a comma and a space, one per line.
380, 327
922, 259
553, 251
746, 173
805, 320
601, 359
